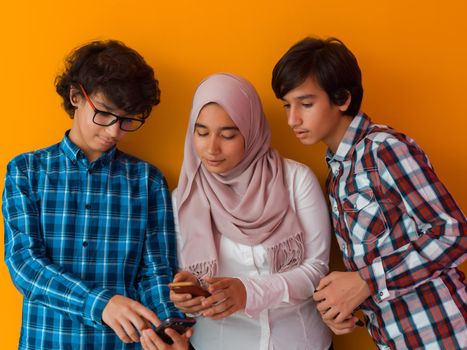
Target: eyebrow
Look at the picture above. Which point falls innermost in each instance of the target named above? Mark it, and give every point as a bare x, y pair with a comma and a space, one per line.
198, 125
107, 108
302, 97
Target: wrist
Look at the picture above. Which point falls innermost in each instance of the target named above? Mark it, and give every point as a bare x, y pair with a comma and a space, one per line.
365, 291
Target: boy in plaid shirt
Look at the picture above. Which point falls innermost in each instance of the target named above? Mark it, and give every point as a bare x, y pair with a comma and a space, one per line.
401, 233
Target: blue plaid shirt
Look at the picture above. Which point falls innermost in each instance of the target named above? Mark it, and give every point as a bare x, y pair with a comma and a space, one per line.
78, 233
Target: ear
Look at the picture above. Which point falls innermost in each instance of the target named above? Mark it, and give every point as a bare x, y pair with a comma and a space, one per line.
75, 97
344, 100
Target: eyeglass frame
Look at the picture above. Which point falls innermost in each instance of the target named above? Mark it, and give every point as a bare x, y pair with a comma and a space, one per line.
117, 117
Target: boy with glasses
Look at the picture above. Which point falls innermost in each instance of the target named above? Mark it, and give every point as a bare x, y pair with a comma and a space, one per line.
89, 235
401, 233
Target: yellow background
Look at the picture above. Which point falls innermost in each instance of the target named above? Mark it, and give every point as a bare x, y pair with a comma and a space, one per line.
413, 55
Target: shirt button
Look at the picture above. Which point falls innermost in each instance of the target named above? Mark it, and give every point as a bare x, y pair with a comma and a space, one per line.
336, 170
85, 244
335, 209
88, 206
90, 171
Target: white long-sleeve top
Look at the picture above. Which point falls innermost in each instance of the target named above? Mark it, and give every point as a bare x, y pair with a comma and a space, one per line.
279, 312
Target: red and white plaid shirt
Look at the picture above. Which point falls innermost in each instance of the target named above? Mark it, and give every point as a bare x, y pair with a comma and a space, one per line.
399, 227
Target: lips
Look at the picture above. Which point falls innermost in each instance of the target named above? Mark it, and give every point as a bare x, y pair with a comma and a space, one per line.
300, 133
107, 141
214, 162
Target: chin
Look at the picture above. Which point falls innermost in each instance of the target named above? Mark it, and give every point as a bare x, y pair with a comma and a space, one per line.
214, 170
217, 169
308, 142
103, 149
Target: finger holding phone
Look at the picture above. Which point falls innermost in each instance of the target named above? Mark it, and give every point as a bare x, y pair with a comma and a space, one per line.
228, 297
151, 341
186, 293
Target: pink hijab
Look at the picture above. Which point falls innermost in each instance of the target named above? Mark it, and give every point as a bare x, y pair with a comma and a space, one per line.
249, 204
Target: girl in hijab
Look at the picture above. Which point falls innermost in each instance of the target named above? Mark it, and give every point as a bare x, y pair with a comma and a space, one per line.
253, 228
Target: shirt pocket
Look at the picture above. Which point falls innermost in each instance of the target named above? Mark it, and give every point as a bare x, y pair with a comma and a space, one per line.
363, 216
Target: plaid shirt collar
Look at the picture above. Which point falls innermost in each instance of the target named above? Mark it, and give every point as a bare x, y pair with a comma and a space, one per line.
75, 154
355, 132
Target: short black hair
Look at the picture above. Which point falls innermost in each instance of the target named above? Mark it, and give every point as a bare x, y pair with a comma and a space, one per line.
328, 61
115, 70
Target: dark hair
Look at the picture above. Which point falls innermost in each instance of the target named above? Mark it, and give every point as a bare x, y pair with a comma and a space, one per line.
332, 65
115, 70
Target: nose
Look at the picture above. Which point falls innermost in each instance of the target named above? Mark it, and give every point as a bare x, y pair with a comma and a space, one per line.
213, 146
293, 117
113, 130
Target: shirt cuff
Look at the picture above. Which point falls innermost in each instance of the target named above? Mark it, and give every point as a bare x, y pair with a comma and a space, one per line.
375, 278
169, 312
262, 293
95, 304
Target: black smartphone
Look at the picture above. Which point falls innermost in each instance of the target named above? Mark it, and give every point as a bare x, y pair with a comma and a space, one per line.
180, 325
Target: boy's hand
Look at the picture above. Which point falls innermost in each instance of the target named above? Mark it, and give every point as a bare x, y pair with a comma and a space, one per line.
345, 327
150, 340
339, 294
228, 296
128, 318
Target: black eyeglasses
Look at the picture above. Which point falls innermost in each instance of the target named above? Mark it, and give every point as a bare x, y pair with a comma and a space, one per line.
104, 118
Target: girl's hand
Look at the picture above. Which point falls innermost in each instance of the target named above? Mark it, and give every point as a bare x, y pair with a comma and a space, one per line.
185, 302
228, 296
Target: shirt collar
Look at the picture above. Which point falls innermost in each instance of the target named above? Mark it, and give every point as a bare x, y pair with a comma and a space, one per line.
74, 153
354, 133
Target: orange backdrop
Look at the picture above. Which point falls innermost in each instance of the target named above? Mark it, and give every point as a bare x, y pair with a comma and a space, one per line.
412, 54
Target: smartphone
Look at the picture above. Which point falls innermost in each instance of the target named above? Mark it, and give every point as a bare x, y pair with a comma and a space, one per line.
180, 325
190, 288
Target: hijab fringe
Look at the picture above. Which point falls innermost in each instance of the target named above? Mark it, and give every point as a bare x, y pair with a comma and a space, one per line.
203, 269
287, 254
282, 257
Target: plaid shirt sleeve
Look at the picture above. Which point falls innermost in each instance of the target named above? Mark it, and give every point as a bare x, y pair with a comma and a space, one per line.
33, 273
160, 252
405, 171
